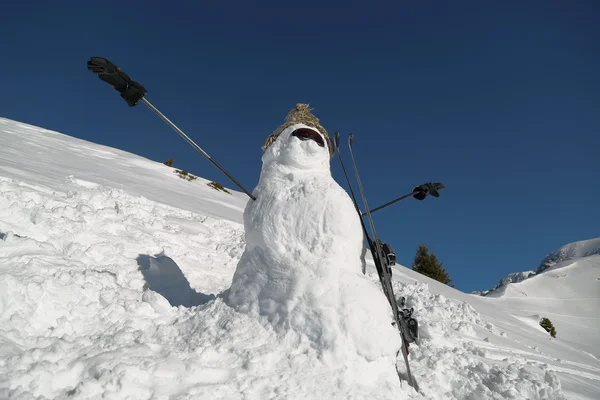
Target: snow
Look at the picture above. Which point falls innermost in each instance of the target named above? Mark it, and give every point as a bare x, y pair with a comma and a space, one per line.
114, 275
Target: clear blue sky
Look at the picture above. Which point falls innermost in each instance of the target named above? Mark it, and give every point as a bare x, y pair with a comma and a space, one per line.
500, 101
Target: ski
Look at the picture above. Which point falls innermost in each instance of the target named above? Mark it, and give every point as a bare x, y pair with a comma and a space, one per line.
379, 256
336, 138
383, 258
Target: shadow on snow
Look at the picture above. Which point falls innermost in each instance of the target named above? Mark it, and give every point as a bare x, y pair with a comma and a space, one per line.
164, 276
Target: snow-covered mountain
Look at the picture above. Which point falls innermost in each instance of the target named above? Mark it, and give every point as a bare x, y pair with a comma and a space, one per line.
513, 277
112, 270
565, 288
571, 251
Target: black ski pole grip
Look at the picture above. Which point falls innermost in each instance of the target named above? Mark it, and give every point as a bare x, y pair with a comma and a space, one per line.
132, 92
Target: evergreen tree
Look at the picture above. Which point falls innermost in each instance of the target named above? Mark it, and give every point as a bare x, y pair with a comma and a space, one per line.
547, 325
428, 265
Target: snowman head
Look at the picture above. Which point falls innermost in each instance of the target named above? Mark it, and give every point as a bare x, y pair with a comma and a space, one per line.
300, 114
299, 146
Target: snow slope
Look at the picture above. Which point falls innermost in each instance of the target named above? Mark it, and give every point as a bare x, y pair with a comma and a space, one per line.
513, 277
571, 251
568, 294
568, 252
43, 157
111, 270
566, 289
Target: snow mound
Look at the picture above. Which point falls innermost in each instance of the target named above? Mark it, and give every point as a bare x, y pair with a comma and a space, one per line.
456, 356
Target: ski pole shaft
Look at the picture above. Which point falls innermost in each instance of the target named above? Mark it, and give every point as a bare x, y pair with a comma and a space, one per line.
198, 148
419, 192
389, 203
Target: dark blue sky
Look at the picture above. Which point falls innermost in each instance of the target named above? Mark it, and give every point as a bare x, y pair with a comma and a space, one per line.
500, 101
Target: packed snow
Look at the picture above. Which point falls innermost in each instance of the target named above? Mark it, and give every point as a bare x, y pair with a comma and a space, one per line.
114, 283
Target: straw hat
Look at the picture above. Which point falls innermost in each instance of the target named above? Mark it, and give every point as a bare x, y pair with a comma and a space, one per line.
300, 115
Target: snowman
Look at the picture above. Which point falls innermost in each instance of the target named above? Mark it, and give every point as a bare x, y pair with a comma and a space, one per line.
301, 270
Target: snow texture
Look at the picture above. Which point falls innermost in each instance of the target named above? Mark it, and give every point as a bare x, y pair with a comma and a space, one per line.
119, 280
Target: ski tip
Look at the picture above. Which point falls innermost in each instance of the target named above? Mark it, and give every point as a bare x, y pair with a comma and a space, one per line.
415, 386
351, 138
336, 139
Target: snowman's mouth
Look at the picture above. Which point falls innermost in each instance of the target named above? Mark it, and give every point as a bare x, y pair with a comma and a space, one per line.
309, 134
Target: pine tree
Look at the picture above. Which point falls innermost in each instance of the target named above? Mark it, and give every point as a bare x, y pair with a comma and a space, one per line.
547, 325
169, 162
428, 265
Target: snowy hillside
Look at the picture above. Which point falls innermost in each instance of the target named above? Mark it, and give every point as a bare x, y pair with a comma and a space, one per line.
513, 277
571, 251
112, 271
566, 289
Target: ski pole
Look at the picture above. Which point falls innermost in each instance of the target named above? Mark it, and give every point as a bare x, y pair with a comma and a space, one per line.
133, 92
388, 204
194, 145
419, 193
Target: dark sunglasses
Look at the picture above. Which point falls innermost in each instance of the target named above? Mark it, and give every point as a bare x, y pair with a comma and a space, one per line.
307, 134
